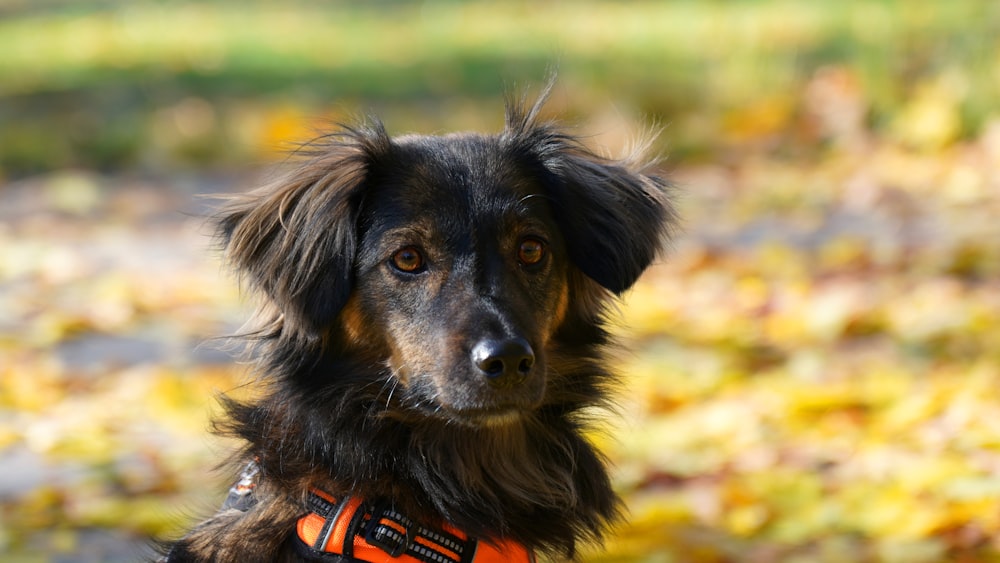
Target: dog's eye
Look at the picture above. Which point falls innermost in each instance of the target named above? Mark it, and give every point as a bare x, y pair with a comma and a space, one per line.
408, 259
531, 251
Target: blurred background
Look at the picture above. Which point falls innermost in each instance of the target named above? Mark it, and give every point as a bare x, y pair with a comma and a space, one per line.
815, 367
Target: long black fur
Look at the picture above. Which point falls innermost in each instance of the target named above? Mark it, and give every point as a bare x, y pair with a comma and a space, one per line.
334, 412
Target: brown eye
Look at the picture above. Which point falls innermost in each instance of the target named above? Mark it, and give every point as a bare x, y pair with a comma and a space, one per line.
531, 251
408, 259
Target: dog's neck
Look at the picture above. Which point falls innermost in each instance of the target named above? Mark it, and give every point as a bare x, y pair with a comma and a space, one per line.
473, 478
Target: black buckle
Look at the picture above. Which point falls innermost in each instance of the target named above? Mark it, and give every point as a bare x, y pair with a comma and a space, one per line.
383, 536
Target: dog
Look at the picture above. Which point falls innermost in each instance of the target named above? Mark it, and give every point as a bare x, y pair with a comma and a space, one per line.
431, 345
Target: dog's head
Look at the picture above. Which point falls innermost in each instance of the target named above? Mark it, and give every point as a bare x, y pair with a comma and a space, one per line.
456, 265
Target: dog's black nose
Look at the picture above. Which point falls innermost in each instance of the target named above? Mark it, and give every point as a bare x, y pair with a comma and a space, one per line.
504, 362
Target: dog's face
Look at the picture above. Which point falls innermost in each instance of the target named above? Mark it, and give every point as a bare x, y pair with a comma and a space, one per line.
461, 278
458, 269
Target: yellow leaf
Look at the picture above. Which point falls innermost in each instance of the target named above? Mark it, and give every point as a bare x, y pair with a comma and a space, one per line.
930, 120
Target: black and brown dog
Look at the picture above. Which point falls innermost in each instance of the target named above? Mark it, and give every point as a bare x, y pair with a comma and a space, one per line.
432, 343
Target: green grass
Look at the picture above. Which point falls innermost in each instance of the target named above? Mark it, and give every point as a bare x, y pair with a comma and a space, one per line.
78, 85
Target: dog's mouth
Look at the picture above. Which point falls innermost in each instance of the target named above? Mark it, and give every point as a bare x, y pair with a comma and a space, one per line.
486, 418
475, 417
463, 399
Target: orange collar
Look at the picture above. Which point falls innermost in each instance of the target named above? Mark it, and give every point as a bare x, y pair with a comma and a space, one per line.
352, 530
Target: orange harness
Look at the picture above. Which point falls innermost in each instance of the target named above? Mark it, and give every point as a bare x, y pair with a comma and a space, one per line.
352, 531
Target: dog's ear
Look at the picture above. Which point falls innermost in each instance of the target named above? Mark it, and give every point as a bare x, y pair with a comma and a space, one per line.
614, 218
295, 240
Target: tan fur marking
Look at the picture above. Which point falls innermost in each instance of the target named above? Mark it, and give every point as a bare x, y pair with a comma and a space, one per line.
562, 306
353, 321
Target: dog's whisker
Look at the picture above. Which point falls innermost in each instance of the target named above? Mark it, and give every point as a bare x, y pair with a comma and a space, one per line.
392, 389
532, 196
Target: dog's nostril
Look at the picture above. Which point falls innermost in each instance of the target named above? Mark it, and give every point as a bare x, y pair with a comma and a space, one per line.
493, 368
503, 359
526, 364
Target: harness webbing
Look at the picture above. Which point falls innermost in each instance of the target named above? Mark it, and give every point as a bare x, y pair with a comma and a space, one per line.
361, 531
349, 530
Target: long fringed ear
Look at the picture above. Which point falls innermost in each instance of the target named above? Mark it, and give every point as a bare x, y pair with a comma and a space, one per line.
614, 217
295, 240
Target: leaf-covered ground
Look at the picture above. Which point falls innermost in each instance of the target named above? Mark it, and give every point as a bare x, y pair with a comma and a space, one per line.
819, 382
813, 375
813, 371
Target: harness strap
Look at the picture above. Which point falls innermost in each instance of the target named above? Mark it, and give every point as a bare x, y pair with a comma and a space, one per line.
351, 530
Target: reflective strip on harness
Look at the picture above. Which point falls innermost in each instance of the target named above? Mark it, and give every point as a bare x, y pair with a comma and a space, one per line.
378, 534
